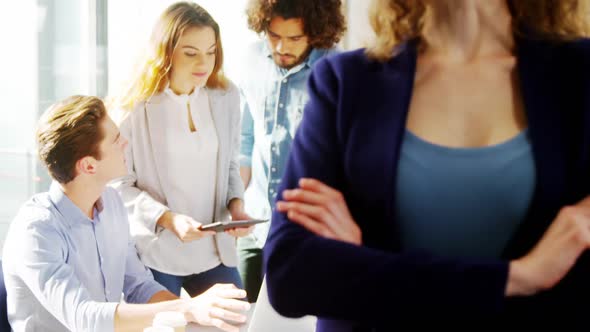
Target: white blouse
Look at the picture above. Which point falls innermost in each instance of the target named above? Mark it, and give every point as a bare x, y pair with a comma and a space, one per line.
193, 172
191, 159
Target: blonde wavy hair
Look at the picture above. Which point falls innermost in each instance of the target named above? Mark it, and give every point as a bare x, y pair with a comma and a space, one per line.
397, 21
152, 72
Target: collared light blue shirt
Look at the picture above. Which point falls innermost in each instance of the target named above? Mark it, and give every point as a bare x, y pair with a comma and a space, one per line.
272, 104
64, 271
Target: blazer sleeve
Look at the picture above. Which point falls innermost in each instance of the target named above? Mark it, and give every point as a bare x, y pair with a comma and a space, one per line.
140, 205
310, 275
235, 184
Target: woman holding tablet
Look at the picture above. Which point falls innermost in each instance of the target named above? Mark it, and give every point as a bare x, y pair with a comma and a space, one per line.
182, 119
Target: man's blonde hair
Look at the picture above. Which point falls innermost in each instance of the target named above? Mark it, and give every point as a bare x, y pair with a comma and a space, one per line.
68, 131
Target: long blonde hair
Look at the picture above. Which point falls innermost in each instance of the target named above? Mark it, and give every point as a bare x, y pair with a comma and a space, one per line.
397, 21
152, 73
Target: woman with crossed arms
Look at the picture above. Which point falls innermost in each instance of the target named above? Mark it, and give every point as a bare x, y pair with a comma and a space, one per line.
442, 174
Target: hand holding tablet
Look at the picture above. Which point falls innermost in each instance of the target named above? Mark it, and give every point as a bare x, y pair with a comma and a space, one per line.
221, 226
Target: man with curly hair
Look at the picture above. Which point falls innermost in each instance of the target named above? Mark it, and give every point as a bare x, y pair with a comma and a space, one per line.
297, 34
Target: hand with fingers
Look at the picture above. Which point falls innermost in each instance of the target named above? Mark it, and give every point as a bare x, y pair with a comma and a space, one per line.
322, 210
555, 254
220, 306
240, 231
184, 227
236, 209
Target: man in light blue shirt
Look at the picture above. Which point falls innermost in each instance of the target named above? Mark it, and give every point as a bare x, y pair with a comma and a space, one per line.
298, 33
68, 258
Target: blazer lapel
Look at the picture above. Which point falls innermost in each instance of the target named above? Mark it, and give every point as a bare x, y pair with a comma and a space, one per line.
219, 117
538, 72
223, 130
388, 92
402, 72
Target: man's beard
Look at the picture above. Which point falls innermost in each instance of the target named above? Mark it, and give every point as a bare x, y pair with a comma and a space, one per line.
276, 57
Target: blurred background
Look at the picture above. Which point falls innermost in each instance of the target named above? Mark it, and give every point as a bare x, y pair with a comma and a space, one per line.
52, 49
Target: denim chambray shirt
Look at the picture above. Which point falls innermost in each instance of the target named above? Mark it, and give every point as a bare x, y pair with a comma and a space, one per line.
272, 104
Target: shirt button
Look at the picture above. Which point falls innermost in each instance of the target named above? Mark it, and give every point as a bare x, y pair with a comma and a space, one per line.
281, 105
273, 169
285, 80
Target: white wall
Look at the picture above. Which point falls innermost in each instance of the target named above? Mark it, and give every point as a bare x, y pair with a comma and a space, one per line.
359, 32
18, 86
18, 92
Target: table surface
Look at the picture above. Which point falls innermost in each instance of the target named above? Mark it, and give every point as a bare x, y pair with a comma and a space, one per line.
267, 319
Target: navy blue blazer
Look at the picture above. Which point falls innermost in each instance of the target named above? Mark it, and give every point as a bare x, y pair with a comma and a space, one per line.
350, 138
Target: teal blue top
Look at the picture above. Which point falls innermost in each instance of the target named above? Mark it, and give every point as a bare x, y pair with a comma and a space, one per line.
463, 202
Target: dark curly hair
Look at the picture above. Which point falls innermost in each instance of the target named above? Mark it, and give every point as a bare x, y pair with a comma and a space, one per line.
323, 22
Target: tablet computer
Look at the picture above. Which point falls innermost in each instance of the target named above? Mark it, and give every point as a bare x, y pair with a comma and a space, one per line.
221, 226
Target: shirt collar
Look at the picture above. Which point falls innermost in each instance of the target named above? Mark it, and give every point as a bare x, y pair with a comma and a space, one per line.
314, 56
183, 98
71, 213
